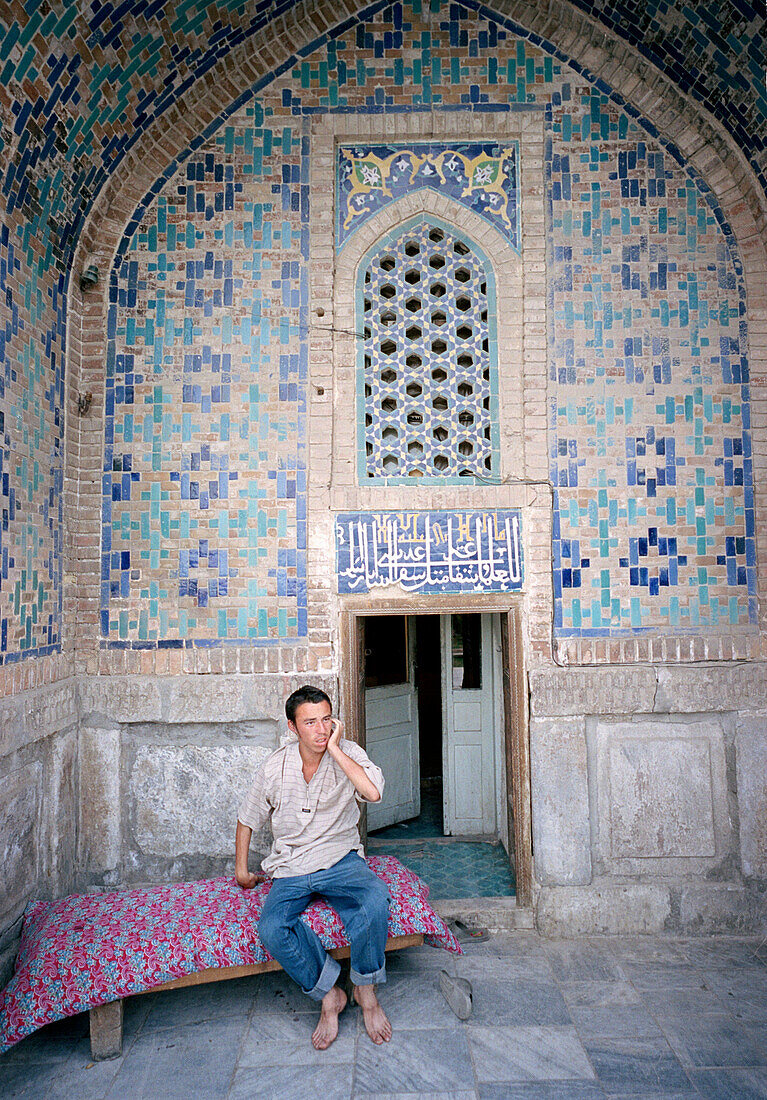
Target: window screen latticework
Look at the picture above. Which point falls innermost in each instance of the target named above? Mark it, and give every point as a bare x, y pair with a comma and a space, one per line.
428, 380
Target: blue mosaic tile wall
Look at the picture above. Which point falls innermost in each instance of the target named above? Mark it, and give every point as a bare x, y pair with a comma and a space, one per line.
650, 450
69, 113
204, 533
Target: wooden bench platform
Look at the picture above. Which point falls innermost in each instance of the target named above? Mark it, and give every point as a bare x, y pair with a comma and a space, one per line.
106, 1021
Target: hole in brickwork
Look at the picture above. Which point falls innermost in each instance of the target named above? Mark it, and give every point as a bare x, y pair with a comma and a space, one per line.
427, 412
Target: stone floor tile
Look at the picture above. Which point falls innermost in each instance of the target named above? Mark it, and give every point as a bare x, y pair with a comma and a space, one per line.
504, 967
599, 994
581, 960
679, 1002
412, 1002
182, 1062
541, 1090
710, 1039
286, 1082
278, 993
414, 1061
643, 949
731, 1084
463, 1095
518, 1002
83, 1080
614, 1021
632, 1066
725, 954
743, 993
273, 1039
666, 975
175, 1007
517, 1054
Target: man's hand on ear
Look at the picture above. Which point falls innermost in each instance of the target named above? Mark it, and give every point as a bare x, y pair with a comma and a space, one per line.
335, 737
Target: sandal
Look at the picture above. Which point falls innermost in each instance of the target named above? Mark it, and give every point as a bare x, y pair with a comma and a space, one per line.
467, 933
457, 993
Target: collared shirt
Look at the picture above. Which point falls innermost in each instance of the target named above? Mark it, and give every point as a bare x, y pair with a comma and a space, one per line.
314, 824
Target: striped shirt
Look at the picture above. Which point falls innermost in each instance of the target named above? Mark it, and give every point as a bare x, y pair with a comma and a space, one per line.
314, 824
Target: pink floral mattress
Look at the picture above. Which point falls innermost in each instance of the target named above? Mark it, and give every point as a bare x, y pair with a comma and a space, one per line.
86, 950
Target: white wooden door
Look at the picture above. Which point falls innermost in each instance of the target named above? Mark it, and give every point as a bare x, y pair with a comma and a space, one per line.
468, 737
391, 720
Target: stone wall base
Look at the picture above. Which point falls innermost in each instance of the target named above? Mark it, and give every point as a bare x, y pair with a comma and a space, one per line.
652, 908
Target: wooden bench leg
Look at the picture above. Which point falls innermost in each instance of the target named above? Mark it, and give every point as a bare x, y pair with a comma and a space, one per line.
106, 1030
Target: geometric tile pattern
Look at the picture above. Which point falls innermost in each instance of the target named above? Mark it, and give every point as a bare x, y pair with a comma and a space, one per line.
71, 113
427, 394
650, 456
480, 176
204, 521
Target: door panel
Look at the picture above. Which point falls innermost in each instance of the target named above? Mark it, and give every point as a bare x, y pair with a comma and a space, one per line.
468, 726
391, 721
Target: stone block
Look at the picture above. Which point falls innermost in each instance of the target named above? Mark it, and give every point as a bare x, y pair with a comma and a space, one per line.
718, 909
560, 801
19, 837
751, 769
629, 909
567, 691
184, 798
685, 689
662, 796
108, 701
100, 800
59, 808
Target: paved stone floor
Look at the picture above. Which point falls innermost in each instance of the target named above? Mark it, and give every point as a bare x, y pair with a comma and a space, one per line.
553, 1020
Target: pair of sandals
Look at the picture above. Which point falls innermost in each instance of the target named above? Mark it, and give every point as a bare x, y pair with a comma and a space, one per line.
457, 991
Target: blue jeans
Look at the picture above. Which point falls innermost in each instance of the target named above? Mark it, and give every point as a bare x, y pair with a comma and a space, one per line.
362, 902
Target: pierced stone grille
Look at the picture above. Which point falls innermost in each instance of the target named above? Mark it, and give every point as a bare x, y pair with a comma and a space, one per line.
427, 358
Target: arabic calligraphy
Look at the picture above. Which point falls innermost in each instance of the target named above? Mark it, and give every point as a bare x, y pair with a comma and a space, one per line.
429, 551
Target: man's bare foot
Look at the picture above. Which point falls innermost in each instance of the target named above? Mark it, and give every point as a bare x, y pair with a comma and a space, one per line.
333, 1003
376, 1021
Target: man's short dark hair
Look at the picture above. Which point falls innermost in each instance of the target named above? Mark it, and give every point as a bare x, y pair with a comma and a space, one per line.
305, 694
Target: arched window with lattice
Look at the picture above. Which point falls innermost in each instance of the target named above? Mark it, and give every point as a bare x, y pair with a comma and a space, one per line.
427, 397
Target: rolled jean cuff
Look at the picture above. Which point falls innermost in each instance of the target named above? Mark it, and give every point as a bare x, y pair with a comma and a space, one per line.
378, 977
326, 980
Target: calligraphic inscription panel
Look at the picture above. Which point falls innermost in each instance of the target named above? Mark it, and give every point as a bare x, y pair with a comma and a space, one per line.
432, 552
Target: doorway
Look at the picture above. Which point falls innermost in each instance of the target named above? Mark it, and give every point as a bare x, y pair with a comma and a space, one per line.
434, 720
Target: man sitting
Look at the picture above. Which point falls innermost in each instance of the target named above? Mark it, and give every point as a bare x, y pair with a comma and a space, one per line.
310, 789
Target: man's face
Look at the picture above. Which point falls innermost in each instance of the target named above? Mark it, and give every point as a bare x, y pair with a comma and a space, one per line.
313, 725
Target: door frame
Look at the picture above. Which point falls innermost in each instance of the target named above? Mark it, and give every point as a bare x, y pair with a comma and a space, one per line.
516, 740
